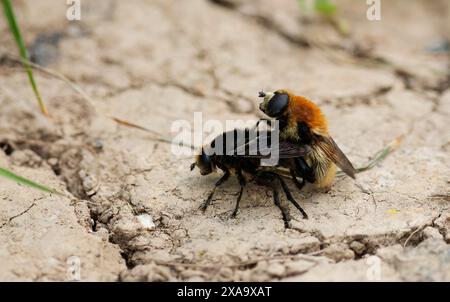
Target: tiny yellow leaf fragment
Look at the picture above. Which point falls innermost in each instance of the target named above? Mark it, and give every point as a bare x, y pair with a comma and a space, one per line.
392, 211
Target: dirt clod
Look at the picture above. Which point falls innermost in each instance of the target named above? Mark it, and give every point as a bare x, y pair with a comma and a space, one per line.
338, 252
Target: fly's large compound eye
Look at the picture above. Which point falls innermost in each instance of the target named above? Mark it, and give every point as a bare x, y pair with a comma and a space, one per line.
277, 104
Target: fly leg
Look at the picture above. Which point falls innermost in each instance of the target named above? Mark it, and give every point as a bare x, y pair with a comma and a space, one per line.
298, 184
242, 183
269, 179
298, 168
284, 210
290, 197
305, 171
218, 183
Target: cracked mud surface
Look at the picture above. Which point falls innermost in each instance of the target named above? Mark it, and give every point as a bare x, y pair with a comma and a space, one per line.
131, 207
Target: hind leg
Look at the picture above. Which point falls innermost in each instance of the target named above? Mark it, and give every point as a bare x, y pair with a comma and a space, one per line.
269, 179
242, 183
290, 197
221, 181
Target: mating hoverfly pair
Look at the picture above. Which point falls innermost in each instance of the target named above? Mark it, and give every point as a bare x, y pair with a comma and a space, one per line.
304, 148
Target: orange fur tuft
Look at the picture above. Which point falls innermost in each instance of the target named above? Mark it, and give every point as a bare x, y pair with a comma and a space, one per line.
304, 110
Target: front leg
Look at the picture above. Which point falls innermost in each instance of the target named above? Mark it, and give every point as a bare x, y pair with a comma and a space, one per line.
242, 183
268, 121
221, 181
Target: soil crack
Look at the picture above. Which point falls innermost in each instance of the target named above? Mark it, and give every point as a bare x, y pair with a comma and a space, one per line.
10, 219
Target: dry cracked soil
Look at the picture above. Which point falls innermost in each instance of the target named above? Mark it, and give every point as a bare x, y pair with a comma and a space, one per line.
130, 207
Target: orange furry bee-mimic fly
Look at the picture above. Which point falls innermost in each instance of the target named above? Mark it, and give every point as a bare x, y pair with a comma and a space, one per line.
302, 122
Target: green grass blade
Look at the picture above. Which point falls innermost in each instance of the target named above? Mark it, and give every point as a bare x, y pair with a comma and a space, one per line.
21, 180
325, 7
302, 5
9, 13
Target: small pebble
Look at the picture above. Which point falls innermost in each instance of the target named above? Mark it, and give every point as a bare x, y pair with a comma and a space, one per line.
146, 221
358, 247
